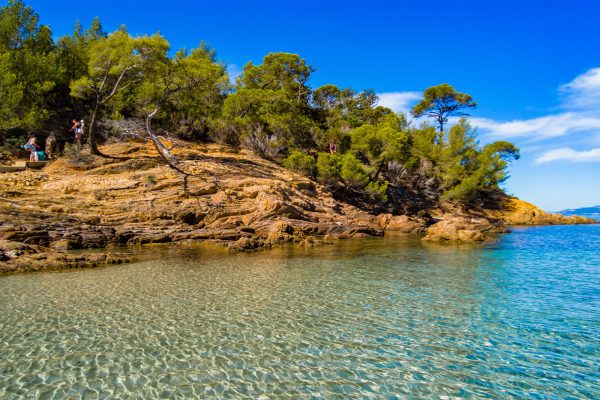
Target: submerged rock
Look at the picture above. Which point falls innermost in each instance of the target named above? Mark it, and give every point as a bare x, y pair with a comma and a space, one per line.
21, 257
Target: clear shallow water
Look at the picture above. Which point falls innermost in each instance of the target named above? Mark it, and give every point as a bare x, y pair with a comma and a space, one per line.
381, 318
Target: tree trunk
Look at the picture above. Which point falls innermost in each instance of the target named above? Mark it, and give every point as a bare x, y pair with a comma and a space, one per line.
379, 169
164, 153
441, 133
92, 134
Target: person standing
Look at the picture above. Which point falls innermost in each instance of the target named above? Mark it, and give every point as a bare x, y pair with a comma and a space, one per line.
50, 145
77, 132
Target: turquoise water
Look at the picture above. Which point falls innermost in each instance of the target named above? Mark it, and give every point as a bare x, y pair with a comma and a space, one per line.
370, 318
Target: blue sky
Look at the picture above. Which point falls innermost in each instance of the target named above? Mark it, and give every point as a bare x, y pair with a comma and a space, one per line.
533, 66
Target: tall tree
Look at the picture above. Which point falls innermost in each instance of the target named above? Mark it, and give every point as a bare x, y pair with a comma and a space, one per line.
382, 143
271, 104
443, 101
95, 31
72, 58
175, 84
27, 68
194, 110
114, 63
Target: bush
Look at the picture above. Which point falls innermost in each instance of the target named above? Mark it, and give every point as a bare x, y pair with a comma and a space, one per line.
328, 168
151, 180
466, 191
353, 173
301, 163
377, 191
6, 154
225, 133
261, 143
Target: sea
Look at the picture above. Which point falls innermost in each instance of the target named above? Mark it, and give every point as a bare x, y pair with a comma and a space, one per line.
377, 318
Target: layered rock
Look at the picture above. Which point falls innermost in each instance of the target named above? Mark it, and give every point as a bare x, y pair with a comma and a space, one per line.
230, 197
402, 224
462, 229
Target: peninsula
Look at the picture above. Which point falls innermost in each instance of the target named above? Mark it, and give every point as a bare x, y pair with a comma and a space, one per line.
148, 146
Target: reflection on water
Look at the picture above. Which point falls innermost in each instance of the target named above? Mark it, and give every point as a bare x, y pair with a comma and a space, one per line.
372, 318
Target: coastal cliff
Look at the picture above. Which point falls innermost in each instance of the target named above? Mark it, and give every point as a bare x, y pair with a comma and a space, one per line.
519, 212
230, 197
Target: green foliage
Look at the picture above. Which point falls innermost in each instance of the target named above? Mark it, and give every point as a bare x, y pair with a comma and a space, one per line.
271, 110
352, 172
494, 159
112, 67
467, 171
466, 191
328, 168
273, 98
301, 163
27, 73
377, 191
112, 60
202, 83
382, 143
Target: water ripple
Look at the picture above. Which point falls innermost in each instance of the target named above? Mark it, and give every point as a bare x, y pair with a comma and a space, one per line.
384, 318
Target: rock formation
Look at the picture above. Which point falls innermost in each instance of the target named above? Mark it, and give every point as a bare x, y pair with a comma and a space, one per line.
231, 197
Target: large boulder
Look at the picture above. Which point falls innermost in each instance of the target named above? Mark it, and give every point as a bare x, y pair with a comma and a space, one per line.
460, 229
404, 224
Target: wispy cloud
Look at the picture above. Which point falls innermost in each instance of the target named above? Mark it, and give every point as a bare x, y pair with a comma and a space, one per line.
570, 155
545, 127
578, 122
399, 101
583, 92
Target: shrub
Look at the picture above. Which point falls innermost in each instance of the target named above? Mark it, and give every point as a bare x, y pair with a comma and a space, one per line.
466, 191
328, 168
353, 173
301, 163
225, 133
377, 191
259, 142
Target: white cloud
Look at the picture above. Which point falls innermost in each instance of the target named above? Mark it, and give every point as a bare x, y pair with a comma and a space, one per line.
568, 154
548, 126
578, 123
583, 92
398, 101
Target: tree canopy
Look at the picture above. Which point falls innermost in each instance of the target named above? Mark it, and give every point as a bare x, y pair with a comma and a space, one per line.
27, 68
443, 101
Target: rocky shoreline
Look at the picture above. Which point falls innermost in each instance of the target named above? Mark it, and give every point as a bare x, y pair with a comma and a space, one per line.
231, 198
